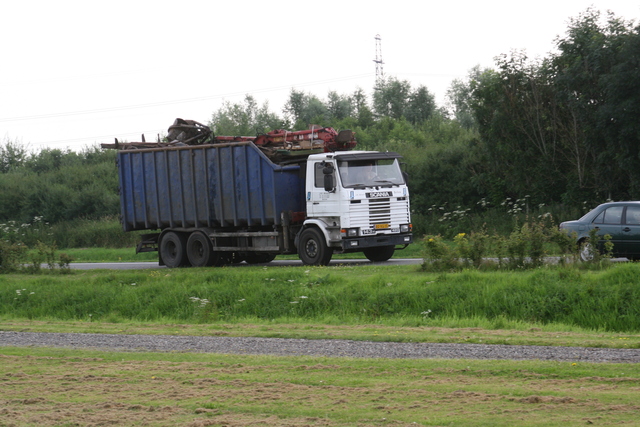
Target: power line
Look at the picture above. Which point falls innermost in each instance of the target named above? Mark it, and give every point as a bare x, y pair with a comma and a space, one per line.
172, 102
429, 75
119, 135
68, 77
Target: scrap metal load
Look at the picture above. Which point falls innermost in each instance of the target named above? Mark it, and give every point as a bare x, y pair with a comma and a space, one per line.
279, 145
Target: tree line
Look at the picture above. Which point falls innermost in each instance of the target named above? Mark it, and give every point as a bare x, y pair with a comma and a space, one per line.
561, 130
56, 185
565, 127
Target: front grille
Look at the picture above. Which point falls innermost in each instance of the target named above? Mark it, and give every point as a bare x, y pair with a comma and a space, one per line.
369, 212
379, 211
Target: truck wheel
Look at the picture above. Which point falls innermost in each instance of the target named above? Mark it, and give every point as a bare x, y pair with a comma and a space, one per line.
312, 248
258, 258
379, 254
199, 250
172, 250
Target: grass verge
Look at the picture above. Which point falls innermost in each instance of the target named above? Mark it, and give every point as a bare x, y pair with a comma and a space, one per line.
394, 297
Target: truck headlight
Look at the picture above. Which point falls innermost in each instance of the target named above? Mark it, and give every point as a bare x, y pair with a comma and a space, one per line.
349, 232
405, 228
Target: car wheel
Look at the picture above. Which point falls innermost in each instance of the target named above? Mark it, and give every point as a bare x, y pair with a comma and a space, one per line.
312, 248
586, 251
379, 254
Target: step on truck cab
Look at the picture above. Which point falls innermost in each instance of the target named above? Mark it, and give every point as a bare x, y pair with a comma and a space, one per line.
210, 201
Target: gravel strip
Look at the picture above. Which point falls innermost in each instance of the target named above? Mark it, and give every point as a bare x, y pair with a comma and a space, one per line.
303, 347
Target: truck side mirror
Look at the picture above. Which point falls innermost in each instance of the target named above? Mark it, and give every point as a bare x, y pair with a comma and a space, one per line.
405, 175
329, 185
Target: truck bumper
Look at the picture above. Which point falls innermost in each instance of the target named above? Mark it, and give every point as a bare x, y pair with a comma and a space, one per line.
379, 240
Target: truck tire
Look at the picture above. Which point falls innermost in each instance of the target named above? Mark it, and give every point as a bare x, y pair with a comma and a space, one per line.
258, 258
379, 254
173, 250
312, 248
200, 250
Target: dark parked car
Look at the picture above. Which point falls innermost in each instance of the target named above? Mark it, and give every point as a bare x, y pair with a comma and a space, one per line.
621, 220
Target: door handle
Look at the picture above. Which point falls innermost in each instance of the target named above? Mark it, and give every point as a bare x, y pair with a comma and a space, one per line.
626, 229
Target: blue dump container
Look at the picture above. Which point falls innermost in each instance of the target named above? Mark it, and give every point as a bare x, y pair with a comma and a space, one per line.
218, 186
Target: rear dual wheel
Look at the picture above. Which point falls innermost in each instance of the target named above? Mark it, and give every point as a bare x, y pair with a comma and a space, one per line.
173, 249
177, 250
200, 250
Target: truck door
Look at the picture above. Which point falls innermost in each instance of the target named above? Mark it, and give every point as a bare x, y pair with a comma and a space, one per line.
321, 203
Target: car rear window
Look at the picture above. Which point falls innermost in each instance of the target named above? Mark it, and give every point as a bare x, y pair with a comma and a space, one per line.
633, 215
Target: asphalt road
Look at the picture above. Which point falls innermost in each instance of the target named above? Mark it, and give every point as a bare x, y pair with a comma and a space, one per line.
275, 263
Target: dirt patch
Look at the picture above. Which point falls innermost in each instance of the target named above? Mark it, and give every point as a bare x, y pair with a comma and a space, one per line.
546, 399
221, 391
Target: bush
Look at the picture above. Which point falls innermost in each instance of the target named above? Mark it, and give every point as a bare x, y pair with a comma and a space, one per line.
17, 258
438, 256
90, 233
11, 256
526, 247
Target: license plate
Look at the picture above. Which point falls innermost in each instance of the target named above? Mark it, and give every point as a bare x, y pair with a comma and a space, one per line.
381, 226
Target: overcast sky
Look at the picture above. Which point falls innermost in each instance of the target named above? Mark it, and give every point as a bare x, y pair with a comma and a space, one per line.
79, 73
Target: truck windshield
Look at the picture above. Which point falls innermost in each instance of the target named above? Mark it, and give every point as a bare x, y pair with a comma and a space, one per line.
370, 173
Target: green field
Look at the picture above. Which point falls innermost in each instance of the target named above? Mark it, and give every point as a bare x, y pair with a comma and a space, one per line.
562, 306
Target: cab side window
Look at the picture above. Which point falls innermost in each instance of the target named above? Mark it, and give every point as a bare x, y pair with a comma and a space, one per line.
318, 176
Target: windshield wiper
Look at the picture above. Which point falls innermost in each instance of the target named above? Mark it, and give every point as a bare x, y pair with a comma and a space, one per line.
386, 183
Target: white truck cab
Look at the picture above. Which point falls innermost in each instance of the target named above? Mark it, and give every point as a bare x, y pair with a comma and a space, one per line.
359, 202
